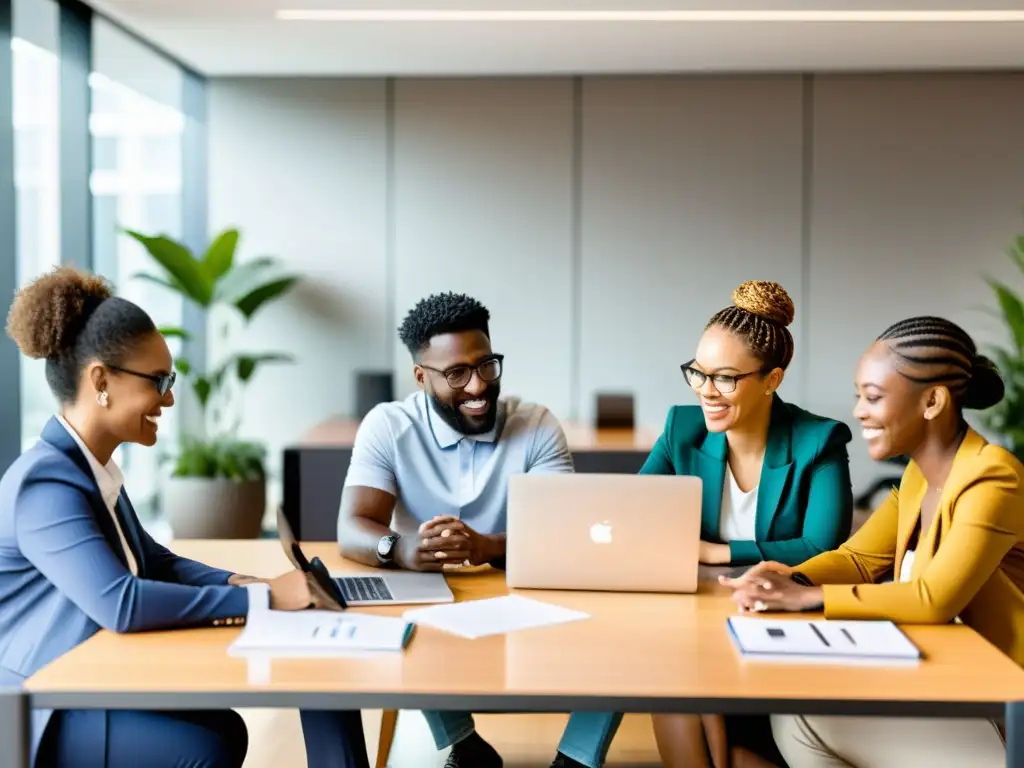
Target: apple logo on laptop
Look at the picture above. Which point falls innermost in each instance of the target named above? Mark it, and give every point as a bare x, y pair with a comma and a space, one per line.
601, 533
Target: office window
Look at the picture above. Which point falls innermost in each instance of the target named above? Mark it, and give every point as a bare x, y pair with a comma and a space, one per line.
36, 91
137, 128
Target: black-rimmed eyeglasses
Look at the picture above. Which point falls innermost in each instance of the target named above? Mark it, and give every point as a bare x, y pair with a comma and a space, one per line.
723, 382
459, 376
162, 381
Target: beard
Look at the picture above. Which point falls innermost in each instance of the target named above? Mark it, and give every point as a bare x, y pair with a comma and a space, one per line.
468, 425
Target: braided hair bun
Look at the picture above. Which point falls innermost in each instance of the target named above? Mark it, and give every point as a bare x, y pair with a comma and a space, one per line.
766, 300
985, 388
933, 350
759, 314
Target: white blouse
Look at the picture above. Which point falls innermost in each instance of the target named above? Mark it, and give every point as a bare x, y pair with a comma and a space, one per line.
739, 509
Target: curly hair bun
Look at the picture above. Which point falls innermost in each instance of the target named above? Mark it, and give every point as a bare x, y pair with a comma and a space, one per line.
767, 300
48, 313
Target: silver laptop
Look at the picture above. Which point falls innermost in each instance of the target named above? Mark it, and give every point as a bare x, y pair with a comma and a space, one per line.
386, 588
604, 532
394, 588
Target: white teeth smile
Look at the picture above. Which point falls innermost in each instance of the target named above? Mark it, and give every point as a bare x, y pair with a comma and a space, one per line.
155, 420
475, 405
714, 408
871, 434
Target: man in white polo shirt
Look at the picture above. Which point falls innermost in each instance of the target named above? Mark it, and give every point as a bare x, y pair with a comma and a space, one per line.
428, 484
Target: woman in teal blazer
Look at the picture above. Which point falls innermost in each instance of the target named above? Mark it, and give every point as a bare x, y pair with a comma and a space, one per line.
776, 484
803, 495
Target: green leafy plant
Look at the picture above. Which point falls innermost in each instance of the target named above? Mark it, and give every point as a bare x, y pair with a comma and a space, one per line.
233, 459
207, 281
1007, 418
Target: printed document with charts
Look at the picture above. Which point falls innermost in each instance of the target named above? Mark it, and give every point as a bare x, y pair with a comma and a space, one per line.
320, 633
822, 641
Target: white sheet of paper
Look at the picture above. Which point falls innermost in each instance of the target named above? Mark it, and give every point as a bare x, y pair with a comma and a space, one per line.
319, 632
494, 616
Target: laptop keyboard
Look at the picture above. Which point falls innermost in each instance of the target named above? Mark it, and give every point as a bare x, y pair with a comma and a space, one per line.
356, 588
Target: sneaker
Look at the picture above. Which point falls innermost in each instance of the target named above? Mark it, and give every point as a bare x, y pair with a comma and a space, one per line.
561, 761
473, 752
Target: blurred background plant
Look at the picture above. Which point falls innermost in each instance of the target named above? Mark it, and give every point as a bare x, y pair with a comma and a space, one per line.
1007, 419
215, 452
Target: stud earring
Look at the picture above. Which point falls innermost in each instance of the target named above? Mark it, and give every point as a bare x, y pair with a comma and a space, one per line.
101, 398
768, 393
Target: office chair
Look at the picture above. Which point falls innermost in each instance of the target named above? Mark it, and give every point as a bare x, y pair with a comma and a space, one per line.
615, 411
372, 388
865, 499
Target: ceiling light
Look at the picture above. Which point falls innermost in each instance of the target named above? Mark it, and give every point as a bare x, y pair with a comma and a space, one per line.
809, 16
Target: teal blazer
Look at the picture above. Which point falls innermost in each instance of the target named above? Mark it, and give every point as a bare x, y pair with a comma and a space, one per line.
804, 498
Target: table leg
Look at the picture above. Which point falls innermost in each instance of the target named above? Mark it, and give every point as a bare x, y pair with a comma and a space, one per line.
14, 729
1014, 734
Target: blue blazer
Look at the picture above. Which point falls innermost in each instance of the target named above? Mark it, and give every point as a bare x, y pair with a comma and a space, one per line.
63, 575
804, 498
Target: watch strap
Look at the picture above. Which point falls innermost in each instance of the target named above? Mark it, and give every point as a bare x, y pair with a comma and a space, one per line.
389, 559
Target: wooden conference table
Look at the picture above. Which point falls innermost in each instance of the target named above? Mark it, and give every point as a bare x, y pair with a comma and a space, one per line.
637, 653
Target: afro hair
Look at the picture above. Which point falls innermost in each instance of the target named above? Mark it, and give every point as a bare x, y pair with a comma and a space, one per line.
439, 314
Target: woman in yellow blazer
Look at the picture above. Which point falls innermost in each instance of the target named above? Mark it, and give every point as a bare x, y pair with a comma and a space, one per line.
951, 539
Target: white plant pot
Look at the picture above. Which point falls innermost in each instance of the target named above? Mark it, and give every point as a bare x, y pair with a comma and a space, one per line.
214, 508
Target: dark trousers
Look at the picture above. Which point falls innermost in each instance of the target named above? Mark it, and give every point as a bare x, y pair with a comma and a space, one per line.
334, 739
136, 739
201, 739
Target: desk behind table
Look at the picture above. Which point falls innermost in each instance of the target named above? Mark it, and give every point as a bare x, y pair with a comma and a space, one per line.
315, 468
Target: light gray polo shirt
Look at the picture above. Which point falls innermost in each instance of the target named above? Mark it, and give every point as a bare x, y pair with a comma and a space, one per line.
406, 449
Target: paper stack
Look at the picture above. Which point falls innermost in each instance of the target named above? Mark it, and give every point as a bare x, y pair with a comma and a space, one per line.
313, 633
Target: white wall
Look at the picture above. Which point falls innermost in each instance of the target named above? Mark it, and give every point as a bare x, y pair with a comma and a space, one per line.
300, 167
918, 183
483, 205
604, 220
689, 187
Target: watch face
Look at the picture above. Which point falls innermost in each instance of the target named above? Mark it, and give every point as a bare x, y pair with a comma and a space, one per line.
385, 545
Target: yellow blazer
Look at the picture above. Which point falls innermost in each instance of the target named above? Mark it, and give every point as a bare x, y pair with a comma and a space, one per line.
968, 564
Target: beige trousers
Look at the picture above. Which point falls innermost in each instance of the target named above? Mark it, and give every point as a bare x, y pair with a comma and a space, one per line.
879, 742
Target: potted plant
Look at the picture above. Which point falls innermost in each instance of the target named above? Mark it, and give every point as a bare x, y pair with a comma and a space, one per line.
1007, 418
217, 486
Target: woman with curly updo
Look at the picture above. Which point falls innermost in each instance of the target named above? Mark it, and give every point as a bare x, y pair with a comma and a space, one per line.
74, 557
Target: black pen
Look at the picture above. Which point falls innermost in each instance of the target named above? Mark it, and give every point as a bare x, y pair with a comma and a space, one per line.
820, 636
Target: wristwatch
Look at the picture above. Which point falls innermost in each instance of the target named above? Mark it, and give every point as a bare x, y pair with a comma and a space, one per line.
386, 549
